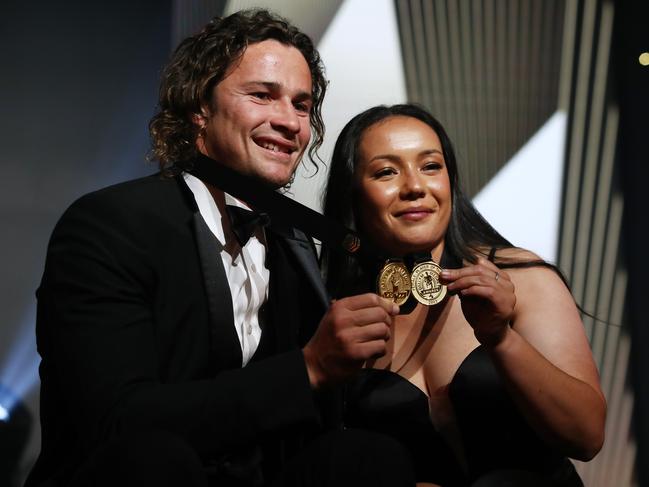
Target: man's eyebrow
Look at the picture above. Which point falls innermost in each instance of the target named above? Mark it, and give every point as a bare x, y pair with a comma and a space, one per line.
275, 86
271, 85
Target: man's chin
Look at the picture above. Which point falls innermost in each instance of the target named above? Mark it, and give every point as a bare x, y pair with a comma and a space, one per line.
274, 180
267, 172
276, 175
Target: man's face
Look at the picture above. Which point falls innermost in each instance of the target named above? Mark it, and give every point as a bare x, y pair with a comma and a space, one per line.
259, 121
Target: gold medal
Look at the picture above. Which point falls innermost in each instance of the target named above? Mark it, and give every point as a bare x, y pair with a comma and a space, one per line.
425, 283
394, 282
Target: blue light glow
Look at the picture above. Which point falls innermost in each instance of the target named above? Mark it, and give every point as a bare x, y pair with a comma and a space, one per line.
4, 414
8, 401
19, 371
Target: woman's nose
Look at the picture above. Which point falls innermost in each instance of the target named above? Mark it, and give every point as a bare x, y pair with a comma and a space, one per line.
412, 186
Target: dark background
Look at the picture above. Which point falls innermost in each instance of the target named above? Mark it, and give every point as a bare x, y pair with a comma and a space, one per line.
631, 35
78, 85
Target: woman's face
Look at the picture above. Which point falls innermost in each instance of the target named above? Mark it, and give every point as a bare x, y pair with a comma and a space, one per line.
403, 189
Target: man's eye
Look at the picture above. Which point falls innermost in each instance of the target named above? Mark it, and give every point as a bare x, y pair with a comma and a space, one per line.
302, 107
261, 95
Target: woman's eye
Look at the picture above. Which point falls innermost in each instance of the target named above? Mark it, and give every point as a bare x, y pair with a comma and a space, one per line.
385, 172
432, 166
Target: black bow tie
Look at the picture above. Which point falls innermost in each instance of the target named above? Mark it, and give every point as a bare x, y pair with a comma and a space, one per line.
244, 222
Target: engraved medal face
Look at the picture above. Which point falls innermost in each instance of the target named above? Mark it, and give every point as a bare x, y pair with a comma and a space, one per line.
394, 282
425, 283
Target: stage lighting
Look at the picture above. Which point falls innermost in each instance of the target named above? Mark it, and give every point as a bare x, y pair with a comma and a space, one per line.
644, 58
4, 413
15, 426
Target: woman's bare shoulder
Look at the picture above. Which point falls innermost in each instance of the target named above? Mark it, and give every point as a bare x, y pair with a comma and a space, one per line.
508, 255
517, 254
528, 268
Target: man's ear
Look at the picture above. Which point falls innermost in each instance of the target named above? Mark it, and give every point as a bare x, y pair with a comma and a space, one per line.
200, 119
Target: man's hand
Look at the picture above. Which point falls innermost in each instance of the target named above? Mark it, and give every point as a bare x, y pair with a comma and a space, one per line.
354, 330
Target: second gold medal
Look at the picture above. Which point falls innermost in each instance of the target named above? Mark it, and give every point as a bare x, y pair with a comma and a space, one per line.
426, 287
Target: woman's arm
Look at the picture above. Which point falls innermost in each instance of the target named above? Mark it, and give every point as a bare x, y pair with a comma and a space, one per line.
544, 356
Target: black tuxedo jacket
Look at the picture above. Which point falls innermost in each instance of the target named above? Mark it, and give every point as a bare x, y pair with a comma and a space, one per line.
135, 331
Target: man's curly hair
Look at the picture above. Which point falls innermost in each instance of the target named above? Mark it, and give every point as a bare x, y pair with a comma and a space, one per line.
201, 61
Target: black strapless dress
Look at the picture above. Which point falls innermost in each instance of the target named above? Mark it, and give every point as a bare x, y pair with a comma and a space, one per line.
494, 434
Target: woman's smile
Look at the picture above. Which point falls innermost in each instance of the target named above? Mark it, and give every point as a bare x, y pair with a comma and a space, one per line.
404, 192
414, 214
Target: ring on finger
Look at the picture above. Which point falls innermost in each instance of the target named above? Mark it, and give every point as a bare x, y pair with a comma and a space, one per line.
497, 276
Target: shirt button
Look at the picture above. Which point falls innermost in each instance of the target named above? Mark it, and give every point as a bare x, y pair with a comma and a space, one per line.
253, 267
249, 329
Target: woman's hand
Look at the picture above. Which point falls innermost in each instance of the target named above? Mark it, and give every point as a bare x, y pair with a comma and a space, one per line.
544, 357
487, 297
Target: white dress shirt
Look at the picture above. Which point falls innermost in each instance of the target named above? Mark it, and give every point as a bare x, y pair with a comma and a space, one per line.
245, 268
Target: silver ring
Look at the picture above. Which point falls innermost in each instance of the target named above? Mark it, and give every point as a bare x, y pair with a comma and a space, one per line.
497, 276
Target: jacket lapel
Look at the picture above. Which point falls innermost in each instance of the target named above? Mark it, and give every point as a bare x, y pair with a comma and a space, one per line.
302, 250
225, 349
297, 297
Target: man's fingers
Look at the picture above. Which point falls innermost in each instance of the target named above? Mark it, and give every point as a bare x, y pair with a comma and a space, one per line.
353, 330
369, 300
373, 349
373, 331
366, 316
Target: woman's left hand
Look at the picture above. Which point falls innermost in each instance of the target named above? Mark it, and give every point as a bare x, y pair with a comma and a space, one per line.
487, 296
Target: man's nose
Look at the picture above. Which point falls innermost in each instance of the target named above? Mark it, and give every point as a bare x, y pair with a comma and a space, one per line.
285, 117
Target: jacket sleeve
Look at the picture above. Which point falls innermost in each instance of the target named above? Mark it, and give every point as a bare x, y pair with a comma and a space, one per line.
100, 369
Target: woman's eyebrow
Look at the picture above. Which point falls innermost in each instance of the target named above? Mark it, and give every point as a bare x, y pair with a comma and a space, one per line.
390, 157
428, 152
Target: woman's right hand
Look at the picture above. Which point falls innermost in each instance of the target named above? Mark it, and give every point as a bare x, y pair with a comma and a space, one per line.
488, 298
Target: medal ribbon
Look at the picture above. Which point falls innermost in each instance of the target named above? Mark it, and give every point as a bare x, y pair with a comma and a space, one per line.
281, 209
290, 213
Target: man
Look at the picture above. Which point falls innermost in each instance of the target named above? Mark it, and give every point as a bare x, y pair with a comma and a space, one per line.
174, 350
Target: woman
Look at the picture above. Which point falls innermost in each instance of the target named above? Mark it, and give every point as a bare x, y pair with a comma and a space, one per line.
496, 382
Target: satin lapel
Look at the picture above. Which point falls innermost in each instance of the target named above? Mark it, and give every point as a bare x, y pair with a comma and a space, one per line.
303, 252
330, 401
294, 302
225, 349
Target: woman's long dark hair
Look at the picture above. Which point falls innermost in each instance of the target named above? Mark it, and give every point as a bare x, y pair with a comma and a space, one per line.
468, 233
